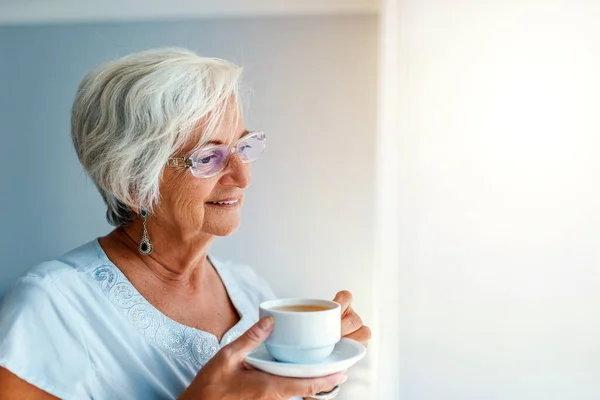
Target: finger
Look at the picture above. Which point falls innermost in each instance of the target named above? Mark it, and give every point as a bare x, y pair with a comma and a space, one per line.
363, 335
312, 386
344, 298
351, 322
250, 340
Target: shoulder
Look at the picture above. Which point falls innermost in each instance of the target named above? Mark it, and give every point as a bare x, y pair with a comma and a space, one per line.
246, 279
30, 290
39, 279
51, 291
246, 274
40, 325
77, 261
51, 281
52, 296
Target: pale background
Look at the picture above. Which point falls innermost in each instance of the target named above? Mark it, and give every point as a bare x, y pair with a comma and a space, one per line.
309, 82
494, 107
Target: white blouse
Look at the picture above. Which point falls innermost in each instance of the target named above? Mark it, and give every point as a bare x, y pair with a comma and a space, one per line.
78, 329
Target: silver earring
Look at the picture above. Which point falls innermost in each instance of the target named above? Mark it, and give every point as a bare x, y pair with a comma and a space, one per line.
145, 247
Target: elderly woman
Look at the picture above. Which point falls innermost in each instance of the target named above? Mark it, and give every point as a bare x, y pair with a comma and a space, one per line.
146, 312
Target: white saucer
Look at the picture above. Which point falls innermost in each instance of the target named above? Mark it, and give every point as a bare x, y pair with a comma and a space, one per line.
346, 353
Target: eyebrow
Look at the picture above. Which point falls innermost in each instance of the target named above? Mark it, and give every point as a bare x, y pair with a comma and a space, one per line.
218, 142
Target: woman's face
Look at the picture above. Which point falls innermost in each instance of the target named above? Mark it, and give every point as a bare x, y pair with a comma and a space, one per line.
188, 206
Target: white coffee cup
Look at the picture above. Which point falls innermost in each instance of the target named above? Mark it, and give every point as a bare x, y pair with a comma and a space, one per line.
305, 330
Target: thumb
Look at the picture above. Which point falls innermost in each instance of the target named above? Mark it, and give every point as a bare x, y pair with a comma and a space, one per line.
252, 338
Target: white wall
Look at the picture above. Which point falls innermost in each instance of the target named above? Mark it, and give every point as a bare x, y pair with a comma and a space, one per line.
18, 12
499, 199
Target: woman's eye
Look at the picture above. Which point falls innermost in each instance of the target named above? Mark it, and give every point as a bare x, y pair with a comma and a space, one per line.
207, 159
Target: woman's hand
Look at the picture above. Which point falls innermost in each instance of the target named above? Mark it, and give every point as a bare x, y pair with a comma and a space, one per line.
226, 377
352, 325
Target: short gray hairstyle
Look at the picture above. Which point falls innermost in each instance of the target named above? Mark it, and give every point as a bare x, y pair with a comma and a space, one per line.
131, 114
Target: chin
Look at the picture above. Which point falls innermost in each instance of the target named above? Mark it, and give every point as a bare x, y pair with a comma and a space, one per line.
222, 228
224, 232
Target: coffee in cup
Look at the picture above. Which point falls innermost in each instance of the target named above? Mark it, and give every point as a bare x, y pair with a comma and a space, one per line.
305, 330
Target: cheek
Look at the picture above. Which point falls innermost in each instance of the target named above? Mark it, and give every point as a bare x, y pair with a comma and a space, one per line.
187, 194
190, 207
199, 192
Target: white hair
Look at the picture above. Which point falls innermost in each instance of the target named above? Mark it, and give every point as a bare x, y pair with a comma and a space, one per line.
130, 115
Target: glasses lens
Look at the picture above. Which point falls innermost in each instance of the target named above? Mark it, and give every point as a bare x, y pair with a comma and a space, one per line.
208, 162
251, 148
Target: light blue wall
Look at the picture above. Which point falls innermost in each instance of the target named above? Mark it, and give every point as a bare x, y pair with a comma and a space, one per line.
48, 205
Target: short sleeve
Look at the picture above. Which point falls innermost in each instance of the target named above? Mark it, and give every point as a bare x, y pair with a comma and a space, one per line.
39, 339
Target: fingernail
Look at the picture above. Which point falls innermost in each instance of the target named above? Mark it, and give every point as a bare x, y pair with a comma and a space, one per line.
265, 323
344, 379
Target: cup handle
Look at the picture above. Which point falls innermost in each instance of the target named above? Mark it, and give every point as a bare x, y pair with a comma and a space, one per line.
327, 395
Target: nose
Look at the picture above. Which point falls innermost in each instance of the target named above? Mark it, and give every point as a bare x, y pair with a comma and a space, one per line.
237, 173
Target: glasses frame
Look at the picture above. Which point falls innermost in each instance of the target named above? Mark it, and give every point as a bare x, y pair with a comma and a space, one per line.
187, 162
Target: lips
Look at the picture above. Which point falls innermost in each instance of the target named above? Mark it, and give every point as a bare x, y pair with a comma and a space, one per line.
225, 202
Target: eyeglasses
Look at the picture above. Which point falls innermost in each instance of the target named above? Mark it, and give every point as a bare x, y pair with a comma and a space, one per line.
209, 161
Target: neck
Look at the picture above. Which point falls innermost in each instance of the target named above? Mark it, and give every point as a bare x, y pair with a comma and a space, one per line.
177, 261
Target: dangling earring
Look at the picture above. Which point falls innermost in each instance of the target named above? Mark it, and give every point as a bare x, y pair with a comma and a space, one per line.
145, 247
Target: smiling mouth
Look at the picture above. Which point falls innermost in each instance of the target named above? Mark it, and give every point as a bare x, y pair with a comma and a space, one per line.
225, 203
